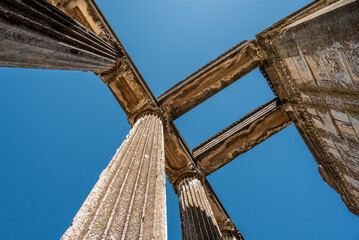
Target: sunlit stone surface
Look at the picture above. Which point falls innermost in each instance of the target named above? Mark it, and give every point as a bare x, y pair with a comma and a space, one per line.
128, 201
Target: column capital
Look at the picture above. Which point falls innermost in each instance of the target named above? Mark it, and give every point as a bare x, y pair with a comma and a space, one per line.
189, 171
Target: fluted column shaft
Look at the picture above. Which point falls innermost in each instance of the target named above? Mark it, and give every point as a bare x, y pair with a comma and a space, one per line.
197, 219
35, 34
129, 199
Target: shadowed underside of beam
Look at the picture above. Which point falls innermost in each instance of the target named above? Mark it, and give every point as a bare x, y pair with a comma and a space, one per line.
35, 34
241, 136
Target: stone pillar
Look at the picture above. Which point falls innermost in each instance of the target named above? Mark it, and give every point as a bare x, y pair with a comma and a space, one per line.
129, 199
197, 219
35, 34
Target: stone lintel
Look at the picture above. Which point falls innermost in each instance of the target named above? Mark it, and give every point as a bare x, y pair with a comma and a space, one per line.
241, 136
312, 60
225, 224
210, 79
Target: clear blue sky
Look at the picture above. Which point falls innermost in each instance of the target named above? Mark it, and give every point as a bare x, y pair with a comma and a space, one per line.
59, 129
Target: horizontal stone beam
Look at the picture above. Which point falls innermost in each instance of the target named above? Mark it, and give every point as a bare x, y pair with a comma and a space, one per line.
241, 136
35, 34
210, 79
225, 224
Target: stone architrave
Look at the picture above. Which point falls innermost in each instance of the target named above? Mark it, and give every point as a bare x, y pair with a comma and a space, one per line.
129, 199
197, 218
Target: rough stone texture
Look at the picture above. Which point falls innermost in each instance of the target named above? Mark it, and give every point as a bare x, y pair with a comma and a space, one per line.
309, 60
34, 34
129, 90
241, 136
313, 61
135, 97
123, 79
197, 219
210, 79
179, 160
89, 15
129, 199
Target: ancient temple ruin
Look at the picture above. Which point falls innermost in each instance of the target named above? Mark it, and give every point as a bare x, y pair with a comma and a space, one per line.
310, 60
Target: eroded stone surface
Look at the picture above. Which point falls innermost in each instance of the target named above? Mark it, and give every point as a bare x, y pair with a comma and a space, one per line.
197, 219
129, 199
313, 63
241, 136
34, 34
210, 79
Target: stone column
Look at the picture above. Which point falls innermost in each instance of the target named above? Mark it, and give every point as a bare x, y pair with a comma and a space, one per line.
197, 219
129, 199
35, 34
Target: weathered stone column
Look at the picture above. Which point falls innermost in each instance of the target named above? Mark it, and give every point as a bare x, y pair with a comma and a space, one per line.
35, 34
197, 219
129, 199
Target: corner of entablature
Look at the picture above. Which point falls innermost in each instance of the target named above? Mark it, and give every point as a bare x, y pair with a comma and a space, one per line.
258, 51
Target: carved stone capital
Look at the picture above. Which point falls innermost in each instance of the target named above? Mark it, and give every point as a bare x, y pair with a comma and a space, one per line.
190, 170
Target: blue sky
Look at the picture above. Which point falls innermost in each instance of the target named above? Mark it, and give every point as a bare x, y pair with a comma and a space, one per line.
59, 129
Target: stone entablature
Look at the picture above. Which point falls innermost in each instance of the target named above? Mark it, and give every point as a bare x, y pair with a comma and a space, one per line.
313, 64
314, 73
